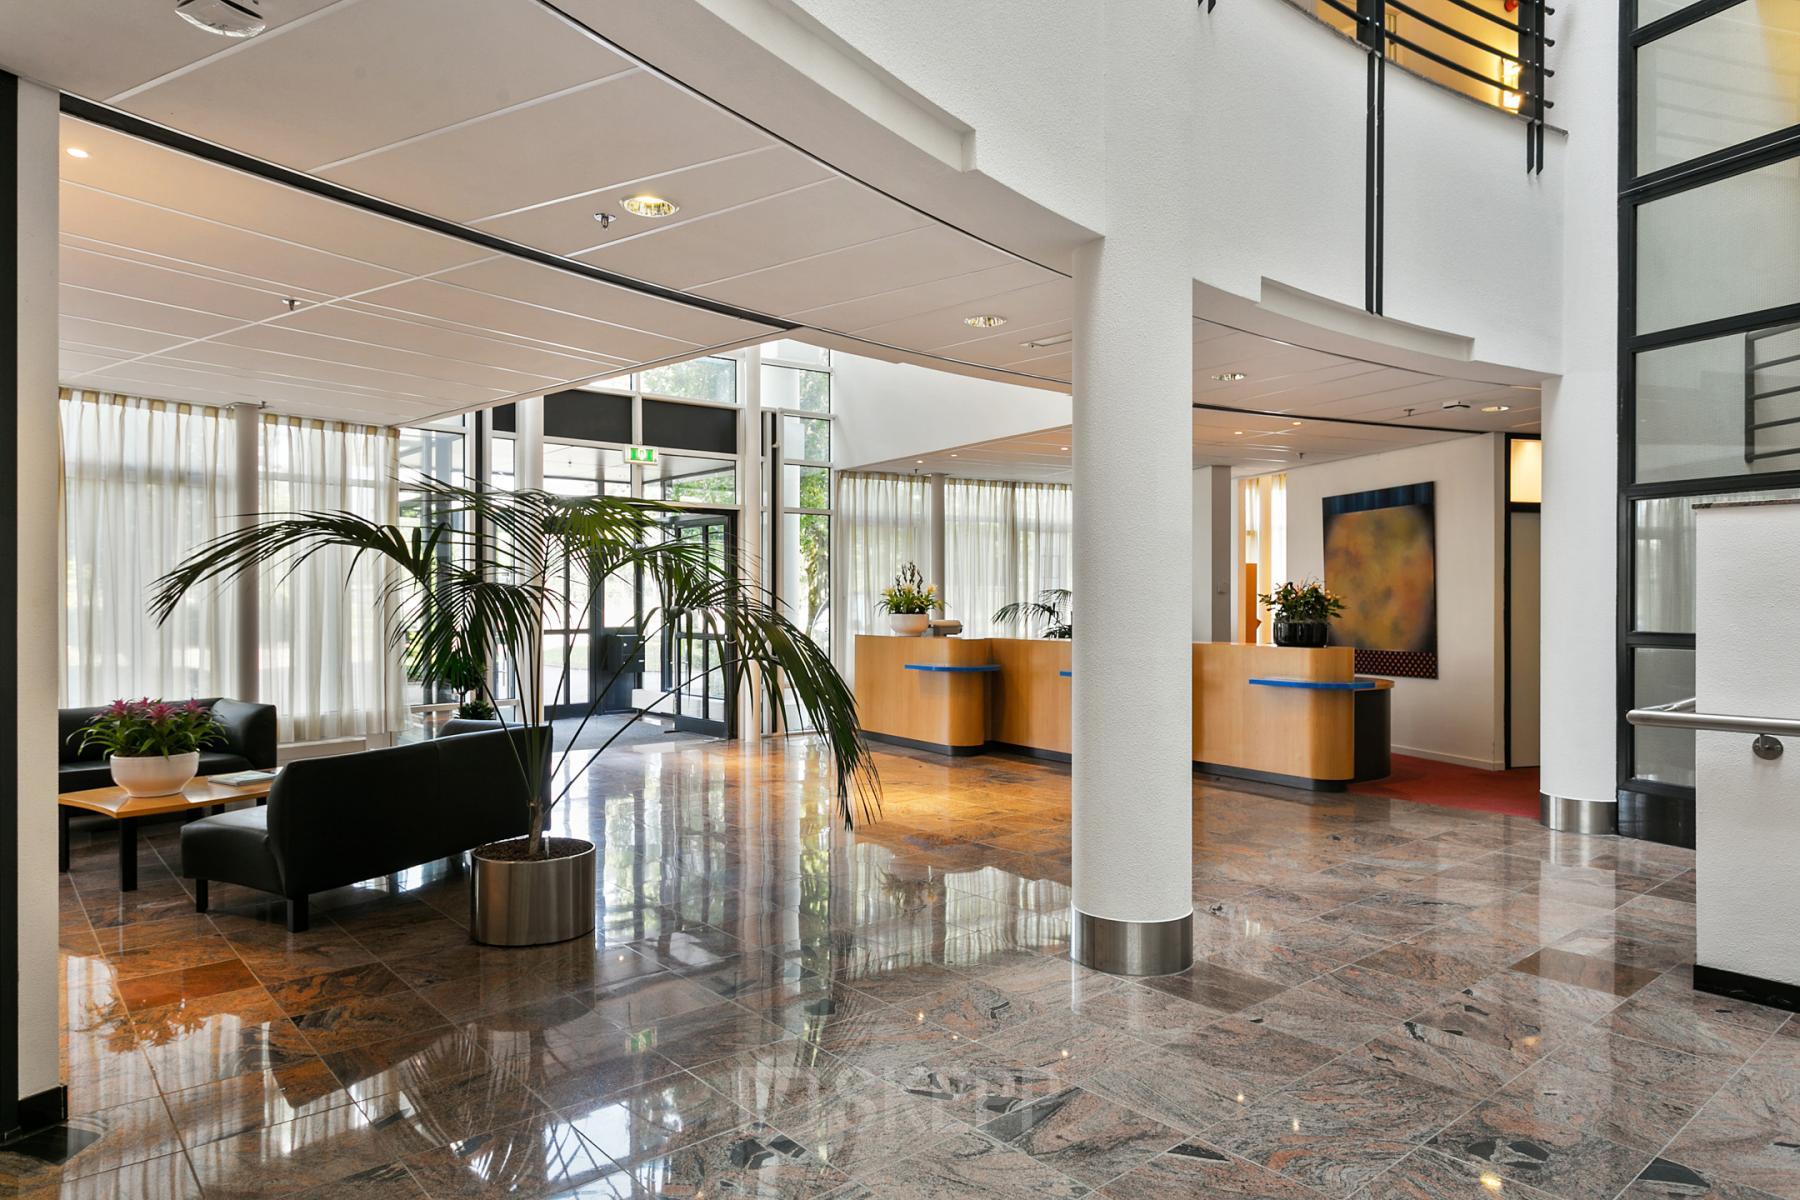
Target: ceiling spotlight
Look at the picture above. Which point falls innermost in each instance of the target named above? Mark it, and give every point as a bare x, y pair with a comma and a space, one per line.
605, 218
227, 18
1040, 343
1454, 404
984, 320
1062, 447
649, 206
77, 152
1237, 433
1230, 376
920, 461
1298, 422
1496, 408
952, 455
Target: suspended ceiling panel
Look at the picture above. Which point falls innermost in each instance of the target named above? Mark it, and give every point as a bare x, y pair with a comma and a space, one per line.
177, 275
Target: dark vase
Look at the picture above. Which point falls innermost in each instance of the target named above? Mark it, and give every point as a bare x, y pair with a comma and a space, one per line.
1301, 633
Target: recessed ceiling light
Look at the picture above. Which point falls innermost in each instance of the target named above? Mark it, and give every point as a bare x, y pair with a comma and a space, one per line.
984, 320
1496, 408
649, 206
1062, 447
227, 18
1230, 376
953, 456
1299, 422
1237, 433
77, 152
920, 461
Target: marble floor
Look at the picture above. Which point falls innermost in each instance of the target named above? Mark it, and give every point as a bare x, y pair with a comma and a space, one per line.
1390, 1000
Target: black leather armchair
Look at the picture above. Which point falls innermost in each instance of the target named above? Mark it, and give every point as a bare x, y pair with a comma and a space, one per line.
249, 744
336, 821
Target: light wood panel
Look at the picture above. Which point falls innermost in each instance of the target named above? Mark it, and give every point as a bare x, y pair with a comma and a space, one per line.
200, 793
935, 708
1030, 697
1279, 731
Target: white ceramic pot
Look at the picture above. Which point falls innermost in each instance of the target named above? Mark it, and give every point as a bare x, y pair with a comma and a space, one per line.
154, 774
909, 624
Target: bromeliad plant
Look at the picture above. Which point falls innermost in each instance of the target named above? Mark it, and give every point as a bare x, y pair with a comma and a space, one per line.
150, 728
1054, 608
1305, 601
909, 594
477, 587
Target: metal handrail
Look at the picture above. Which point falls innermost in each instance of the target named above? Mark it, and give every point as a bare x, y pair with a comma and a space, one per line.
1680, 714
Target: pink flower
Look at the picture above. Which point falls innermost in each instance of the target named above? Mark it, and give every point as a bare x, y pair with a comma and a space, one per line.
118, 708
160, 711
194, 706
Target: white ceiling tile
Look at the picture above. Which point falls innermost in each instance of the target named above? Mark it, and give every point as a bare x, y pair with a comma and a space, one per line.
376, 72
139, 314
824, 217
128, 277
349, 320
629, 127
908, 258
567, 226
894, 304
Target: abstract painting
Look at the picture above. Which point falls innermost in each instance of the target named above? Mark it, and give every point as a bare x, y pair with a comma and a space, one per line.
1381, 557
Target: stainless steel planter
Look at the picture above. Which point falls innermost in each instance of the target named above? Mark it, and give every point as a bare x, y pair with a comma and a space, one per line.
530, 903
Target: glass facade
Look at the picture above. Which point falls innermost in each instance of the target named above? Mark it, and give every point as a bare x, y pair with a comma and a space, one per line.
1710, 330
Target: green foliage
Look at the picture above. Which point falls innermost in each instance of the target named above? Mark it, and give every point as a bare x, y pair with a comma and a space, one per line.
146, 728
1307, 601
1054, 608
487, 601
909, 594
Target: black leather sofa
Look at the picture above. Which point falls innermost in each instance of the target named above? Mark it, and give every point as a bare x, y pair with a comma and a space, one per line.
249, 744
336, 821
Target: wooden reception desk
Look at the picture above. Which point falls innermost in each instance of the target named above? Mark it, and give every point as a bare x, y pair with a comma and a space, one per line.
1288, 715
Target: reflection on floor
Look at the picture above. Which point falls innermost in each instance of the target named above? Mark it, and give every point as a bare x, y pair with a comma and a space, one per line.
1509, 793
1393, 1001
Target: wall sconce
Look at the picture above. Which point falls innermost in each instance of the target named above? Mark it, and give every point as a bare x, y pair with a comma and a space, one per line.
1510, 99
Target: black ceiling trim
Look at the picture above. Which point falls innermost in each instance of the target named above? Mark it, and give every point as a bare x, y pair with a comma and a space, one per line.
1288, 416
789, 143
135, 126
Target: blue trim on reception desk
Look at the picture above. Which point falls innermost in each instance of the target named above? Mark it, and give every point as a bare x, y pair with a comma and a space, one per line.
1319, 685
940, 668
1066, 674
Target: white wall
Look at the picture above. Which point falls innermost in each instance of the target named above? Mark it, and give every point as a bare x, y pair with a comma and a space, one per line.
1456, 717
889, 410
38, 598
1747, 826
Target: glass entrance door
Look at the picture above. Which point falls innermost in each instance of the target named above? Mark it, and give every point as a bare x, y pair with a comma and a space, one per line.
699, 666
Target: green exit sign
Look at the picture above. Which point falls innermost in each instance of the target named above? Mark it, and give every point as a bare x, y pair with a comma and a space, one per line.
640, 454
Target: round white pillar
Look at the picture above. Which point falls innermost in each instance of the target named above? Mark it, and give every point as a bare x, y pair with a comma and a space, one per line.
1132, 741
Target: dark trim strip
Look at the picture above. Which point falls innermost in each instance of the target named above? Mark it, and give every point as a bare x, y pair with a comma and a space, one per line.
929, 747
1263, 412
1772, 147
1059, 756
1701, 331
1290, 781
1656, 812
42, 1109
11, 1111
1771, 993
173, 139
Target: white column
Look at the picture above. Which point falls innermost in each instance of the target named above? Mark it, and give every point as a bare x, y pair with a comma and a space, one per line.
1579, 707
1133, 348
936, 572
247, 588
32, 143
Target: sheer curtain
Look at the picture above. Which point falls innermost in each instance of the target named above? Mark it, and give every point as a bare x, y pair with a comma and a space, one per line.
326, 662
1003, 542
143, 482
882, 524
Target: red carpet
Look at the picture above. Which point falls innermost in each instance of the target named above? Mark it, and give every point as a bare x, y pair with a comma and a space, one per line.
1512, 792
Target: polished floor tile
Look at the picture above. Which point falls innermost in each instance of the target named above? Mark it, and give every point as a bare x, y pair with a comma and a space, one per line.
1389, 1002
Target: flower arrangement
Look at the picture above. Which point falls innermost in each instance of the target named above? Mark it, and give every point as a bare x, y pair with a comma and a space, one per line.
910, 594
147, 728
1305, 601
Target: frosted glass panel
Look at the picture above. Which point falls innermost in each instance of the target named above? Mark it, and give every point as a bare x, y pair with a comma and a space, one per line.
1720, 81
1721, 249
1695, 400
1663, 755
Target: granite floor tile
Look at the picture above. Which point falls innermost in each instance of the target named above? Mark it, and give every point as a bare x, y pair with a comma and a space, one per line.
277, 1160
662, 1116
166, 1178
1748, 1133
1603, 975
1520, 1145
868, 1129
1218, 989
780, 1077
1666, 1180
242, 1103
972, 1164
1196, 1170
358, 1019
1426, 1174
754, 1160
1083, 1135
542, 1157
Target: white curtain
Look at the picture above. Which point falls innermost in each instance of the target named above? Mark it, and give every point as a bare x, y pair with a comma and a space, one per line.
143, 482
327, 665
882, 524
1003, 543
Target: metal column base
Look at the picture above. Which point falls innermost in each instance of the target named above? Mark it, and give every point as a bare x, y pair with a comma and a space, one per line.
1132, 947
1568, 815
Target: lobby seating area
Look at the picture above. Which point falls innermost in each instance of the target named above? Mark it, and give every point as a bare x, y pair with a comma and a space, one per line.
1389, 1000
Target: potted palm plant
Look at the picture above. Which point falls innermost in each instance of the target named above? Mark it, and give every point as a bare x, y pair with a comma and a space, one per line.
909, 601
151, 746
474, 588
1303, 612
1053, 610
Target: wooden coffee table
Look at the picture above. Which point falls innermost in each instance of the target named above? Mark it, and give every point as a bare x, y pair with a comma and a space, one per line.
199, 796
